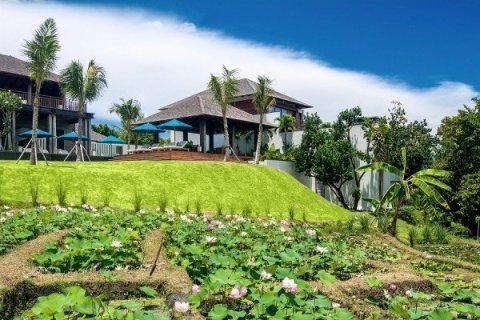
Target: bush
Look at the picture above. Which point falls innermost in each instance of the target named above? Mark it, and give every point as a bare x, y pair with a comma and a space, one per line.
219, 206
412, 236
106, 197
61, 193
34, 190
364, 223
427, 234
198, 206
441, 234
163, 201
83, 196
468, 200
137, 200
459, 229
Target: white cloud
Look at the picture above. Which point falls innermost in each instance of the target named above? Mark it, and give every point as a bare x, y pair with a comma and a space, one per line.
159, 59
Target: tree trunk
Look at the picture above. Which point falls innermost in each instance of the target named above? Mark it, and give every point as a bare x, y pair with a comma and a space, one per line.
79, 150
380, 184
393, 230
226, 139
339, 194
128, 139
259, 139
33, 153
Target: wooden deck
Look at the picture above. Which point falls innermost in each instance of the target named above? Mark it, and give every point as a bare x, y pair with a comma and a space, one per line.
178, 155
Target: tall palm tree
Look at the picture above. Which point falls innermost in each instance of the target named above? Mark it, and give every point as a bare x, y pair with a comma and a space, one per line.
129, 112
262, 101
286, 123
224, 90
41, 53
83, 87
426, 181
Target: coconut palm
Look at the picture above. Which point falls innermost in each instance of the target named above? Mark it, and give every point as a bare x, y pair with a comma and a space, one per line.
83, 86
262, 101
41, 53
286, 123
129, 112
426, 181
224, 90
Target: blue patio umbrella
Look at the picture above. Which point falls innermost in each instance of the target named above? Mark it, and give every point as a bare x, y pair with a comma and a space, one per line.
175, 125
111, 140
40, 134
147, 128
72, 136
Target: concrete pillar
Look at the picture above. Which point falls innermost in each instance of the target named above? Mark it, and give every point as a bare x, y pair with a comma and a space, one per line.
86, 130
232, 136
203, 134
14, 136
51, 140
54, 132
155, 138
185, 135
211, 145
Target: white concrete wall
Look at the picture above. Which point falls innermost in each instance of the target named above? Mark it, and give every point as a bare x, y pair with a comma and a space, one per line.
289, 167
109, 150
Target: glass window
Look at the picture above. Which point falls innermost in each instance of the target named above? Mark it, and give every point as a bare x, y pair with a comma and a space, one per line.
282, 111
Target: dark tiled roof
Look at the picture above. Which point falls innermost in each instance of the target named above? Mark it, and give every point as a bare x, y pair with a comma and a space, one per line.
201, 103
12, 65
248, 88
95, 136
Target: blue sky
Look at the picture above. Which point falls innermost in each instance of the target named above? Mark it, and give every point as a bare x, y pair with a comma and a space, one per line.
331, 55
421, 42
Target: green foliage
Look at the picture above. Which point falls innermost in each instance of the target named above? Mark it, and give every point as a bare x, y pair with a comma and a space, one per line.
83, 195
163, 201
412, 236
235, 252
137, 200
105, 130
325, 154
129, 112
459, 152
61, 192
9, 104
34, 192
427, 234
365, 222
106, 197
74, 303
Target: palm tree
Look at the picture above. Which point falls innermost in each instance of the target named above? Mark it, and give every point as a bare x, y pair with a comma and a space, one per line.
129, 112
425, 181
83, 87
286, 123
262, 101
224, 90
41, 53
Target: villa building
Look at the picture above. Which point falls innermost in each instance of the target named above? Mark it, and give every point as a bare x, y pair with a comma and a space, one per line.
57, 114
203, 113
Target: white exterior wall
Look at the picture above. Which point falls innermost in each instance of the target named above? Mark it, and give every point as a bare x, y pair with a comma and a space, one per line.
289, 167
108, 150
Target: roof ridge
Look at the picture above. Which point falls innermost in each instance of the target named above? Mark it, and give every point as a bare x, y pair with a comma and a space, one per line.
202, 108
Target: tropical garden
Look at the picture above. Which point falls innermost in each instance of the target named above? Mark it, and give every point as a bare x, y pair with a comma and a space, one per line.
232, 241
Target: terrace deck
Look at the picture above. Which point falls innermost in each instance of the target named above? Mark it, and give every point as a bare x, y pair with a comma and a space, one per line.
178, 155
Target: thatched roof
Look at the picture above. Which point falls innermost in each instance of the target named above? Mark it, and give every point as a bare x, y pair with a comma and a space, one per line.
248, 87
95, 136
200, 104
203, 103
15, 66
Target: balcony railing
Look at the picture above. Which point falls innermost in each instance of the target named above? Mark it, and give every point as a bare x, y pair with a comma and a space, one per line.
47, 101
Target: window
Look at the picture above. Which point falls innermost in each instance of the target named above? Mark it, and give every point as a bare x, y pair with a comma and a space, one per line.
282, 111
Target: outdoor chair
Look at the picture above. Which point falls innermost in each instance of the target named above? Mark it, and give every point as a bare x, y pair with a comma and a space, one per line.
180, 146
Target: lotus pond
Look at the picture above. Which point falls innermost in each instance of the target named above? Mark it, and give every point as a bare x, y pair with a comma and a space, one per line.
240, 266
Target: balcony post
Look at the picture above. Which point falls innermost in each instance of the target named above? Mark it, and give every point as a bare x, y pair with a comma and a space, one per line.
203, 134
86, 131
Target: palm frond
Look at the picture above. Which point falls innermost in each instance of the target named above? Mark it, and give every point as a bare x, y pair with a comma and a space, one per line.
380, 166
433, 173
435, 182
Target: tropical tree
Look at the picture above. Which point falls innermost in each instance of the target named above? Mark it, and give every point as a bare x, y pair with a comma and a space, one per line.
41, 53
286, 123
224, 89
9, 104
262, 101
426, 181
105, 129
129, 112
83, 86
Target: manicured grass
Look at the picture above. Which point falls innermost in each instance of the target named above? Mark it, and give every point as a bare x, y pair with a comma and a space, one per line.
227, 185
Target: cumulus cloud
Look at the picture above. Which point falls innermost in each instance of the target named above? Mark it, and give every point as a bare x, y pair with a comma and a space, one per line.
159, 59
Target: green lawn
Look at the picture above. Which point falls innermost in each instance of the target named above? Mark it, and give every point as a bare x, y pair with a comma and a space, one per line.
232, 186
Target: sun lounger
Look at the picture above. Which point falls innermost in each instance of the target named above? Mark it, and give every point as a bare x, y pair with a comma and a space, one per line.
171, 147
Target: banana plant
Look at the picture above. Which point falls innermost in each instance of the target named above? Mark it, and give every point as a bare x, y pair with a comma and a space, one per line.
426, 181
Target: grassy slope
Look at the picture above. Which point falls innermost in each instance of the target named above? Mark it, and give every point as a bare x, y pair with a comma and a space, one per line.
233, 185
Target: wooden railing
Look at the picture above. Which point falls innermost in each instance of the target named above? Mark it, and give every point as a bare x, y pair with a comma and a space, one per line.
47, 101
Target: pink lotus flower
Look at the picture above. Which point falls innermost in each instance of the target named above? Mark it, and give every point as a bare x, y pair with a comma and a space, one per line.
182, 306
238, 292
265, 275
211, 239
9, 213
289, 285
195, 288
116, 244
392, 287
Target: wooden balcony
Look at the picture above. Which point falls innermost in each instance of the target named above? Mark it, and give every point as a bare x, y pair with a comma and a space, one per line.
47, 101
